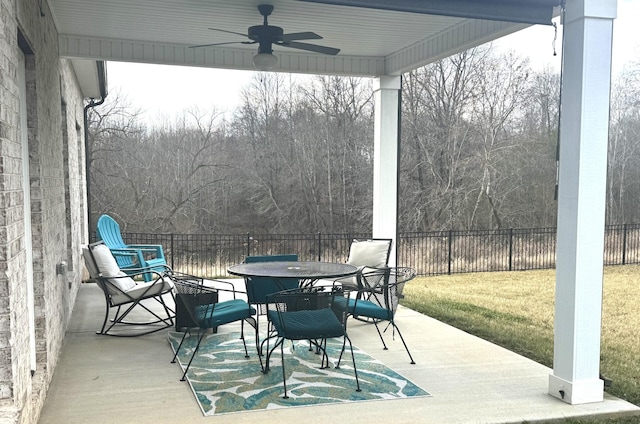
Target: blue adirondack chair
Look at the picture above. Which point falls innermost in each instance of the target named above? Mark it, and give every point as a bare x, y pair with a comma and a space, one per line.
130, 257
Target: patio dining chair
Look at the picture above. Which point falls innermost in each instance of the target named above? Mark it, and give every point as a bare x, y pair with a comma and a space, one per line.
378, 294
126, 295
206, 313
259, 287
130, 257
311, 314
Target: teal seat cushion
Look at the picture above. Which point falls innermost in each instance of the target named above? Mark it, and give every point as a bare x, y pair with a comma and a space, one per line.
216, 314
366, 308
307, 324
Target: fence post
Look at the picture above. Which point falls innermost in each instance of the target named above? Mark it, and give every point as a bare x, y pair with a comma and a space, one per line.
624, 244
510, 249
449, 260
319, 247
172, 252
248, 245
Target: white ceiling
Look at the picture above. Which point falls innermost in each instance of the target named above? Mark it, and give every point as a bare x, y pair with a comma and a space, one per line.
372, 41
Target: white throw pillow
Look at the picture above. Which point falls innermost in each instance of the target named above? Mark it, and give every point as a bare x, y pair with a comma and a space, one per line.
109, 268
369, 253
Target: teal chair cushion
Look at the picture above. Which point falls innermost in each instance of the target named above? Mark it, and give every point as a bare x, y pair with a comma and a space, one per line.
216, 314
307, 324
366, 308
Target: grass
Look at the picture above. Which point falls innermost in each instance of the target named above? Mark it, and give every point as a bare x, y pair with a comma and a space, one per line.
515, 310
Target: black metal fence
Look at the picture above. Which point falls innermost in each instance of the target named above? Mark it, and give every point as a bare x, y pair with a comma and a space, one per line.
429, 253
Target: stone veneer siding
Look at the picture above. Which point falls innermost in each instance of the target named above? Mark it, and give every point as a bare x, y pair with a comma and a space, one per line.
58, 204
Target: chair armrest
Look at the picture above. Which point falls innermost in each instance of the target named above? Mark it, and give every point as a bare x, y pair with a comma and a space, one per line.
147, 247
124, 252
363, 278
209, 285
157, 248
224, 286
136, 254
133, 272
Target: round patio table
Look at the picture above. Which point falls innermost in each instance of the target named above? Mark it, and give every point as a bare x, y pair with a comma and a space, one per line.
307, 272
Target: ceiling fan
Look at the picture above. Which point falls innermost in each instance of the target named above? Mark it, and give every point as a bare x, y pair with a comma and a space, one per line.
266, 36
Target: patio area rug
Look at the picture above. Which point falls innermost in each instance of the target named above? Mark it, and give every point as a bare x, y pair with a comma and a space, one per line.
224, 381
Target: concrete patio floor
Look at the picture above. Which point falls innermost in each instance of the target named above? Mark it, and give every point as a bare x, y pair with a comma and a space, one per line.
102, 379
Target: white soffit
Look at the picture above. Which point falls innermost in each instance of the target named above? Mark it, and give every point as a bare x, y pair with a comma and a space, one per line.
372, 41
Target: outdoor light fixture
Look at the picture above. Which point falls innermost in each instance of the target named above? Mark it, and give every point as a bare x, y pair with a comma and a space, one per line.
264, 61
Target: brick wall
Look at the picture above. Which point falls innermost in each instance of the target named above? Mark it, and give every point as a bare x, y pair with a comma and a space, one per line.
57, 186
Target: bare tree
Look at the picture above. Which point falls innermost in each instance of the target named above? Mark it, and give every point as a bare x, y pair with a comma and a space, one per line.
500, 93
436, 135
113, 127
623, 198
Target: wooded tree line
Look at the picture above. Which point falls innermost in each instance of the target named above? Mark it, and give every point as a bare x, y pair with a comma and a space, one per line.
478, 151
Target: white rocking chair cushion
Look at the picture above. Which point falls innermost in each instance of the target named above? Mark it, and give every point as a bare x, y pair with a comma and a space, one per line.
140, 290
108, 267
369, 253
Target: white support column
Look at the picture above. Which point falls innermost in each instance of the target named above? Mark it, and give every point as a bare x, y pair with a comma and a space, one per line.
385, 162
584, 127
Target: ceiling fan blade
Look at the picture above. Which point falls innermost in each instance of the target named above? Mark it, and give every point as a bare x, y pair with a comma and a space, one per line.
311, 47
221, 44
229, 32
301, 36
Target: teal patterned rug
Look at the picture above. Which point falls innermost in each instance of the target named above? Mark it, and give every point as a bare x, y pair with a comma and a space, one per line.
224, 381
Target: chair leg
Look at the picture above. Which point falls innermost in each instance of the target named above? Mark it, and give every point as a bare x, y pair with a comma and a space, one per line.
403, 342
184, 336
255, 326
324, 363
344, 344
106, 318
381, 338
284, 374
353, 359
184, 376
279, 341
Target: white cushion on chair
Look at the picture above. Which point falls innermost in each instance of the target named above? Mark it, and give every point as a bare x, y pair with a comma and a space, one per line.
108, 266
139, 290
369, 253
91, 267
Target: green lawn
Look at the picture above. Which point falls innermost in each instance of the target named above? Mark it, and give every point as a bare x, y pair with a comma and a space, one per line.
515, 310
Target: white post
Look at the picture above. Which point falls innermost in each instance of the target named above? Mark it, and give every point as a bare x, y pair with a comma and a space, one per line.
584, 125
386, 157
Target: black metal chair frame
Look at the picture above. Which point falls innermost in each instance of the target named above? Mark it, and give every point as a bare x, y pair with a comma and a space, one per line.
255, 299
300, 300
194, 293
383, 287
124, 308
367, 269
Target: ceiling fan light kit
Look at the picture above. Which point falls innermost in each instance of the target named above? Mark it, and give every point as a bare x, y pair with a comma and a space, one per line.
264, 61
266, 36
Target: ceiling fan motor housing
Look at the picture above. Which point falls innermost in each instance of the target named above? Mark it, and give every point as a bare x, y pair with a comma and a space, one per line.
265, 33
